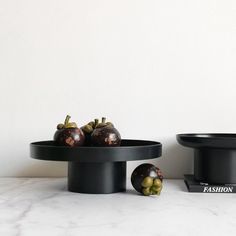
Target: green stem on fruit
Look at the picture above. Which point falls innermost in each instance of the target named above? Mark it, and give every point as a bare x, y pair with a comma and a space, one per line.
60, 126
103, 120
67, 120
96, 122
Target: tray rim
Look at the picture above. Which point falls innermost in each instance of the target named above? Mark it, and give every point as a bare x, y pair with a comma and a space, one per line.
155, 143
207, 140
204, 135
38, 150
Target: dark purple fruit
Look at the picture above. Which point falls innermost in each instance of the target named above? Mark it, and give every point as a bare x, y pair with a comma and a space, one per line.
147, 179
68, 134
105, 135
88, 130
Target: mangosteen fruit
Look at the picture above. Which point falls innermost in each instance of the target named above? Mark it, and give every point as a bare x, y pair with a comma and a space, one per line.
147, 179
68, 134
105, 135
88, 130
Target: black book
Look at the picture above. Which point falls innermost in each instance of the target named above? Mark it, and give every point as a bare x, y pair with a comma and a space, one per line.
198, 187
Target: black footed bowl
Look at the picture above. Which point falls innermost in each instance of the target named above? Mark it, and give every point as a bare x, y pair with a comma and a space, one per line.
97, 169
214, 156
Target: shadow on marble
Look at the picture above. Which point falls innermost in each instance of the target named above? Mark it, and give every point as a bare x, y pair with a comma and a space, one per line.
131, 192
182, 187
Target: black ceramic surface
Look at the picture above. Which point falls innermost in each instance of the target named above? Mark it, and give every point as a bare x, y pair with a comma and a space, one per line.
97, 169
214, 156
129, 150
198, 187
207, 140
98, 177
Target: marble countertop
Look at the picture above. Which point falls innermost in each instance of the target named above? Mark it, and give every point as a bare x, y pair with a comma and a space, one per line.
42, 206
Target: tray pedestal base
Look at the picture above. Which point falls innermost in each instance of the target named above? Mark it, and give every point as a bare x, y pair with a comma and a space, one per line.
215, 166
99, 177
195, 186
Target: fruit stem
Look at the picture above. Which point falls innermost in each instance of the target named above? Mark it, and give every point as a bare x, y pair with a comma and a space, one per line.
103, 120
96, 122
67, 120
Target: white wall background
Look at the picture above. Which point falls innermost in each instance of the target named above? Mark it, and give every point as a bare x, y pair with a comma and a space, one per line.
155, 68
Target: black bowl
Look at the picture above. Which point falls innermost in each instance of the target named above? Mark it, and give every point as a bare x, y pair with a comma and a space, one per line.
207, 140
214, 156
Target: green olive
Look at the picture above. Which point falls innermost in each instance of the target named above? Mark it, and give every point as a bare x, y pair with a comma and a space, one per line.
87, 129
157, 183
146, 191
147, 182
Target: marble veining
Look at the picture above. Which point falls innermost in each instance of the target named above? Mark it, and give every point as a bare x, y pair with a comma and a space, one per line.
43, 206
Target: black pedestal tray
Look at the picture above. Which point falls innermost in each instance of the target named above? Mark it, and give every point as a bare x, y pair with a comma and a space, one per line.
198, 187
97, 169
214, 157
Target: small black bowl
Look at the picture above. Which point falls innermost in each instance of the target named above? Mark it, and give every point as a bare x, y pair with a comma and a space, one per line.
214, 156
